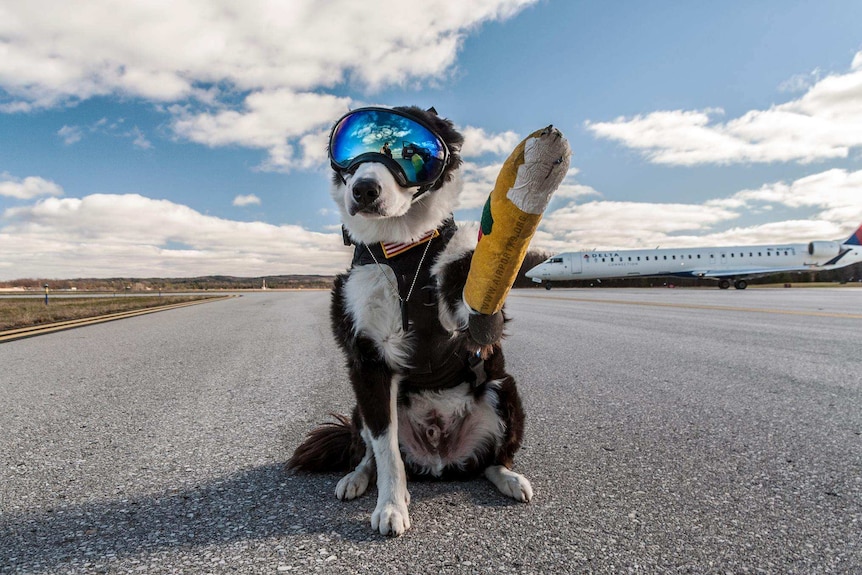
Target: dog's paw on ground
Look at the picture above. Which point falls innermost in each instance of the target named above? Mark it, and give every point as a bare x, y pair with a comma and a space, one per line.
390, 519
353, 484
510, 483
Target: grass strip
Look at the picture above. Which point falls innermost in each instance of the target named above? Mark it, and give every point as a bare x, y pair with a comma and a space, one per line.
18, 312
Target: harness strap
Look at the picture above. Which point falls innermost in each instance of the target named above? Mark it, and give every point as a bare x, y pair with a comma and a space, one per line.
440, 361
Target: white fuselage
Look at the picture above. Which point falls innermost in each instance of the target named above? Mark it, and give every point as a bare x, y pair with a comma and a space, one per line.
714, 262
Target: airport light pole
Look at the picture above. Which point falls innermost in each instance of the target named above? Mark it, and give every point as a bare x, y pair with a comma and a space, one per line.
46, 294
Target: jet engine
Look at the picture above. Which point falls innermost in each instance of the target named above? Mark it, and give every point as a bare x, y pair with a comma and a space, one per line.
824, 249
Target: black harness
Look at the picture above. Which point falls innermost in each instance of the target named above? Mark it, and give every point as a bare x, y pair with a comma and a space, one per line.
406, 266
438, 359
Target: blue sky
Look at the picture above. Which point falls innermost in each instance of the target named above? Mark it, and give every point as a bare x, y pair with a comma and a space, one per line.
137, 140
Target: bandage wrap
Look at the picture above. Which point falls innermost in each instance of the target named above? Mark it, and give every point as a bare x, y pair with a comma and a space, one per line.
524, 187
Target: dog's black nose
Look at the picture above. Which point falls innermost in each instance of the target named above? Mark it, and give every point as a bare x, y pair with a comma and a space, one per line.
365, 191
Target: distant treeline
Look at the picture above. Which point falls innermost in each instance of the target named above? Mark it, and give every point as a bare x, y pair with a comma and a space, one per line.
848, 274
174, 284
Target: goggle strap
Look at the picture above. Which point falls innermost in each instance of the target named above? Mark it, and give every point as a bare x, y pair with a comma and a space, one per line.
340, 173
420, 192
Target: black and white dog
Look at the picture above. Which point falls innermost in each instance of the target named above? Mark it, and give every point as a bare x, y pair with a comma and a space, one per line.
430, 400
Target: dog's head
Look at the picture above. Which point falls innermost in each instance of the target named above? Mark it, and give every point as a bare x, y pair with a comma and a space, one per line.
394, 172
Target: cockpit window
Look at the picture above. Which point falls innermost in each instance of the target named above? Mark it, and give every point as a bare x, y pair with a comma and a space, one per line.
555, 261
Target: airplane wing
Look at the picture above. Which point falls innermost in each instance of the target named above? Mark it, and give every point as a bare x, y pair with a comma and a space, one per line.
745, 272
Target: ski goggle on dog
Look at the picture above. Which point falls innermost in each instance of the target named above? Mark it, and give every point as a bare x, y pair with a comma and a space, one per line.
410, 149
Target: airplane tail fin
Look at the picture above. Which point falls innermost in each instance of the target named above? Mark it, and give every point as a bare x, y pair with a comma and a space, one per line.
856, 238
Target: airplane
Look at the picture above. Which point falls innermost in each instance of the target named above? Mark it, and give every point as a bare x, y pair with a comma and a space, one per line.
736, 264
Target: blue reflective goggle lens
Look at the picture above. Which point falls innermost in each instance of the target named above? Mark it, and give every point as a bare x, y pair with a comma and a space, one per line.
415, 149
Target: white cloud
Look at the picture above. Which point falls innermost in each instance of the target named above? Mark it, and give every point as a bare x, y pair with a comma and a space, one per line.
630, 224
246, 200
106, 235
27, 188
800, 82
139, 140
570, 189
837, 193
825, 123
70, 134
477, 142
478, 181
282, 56
74, 134
314, 149
267, 121
831, 198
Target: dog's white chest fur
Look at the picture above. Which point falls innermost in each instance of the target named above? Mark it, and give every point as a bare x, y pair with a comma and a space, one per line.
373, 303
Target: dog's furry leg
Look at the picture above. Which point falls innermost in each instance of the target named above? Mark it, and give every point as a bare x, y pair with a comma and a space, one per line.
510, 483
356, 482
376, 390
509, 406
390, 516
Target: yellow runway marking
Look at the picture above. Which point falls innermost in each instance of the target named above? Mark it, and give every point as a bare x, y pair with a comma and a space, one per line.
23, 332
699, 306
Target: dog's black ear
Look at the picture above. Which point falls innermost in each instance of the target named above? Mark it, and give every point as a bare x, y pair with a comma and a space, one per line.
432, 110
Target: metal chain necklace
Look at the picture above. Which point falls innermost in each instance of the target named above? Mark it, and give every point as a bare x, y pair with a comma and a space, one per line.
403, 300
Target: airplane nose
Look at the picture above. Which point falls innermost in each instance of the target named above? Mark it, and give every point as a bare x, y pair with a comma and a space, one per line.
366, 191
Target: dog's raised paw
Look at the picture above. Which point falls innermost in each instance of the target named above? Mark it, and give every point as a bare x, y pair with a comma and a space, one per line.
546, 162
353, 484
390, 519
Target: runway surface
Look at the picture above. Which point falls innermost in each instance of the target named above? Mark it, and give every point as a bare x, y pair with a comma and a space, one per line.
677, 431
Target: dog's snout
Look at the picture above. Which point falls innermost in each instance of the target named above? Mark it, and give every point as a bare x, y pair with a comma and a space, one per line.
366, 191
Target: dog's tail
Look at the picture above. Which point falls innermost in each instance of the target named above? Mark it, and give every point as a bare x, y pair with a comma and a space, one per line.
332, 446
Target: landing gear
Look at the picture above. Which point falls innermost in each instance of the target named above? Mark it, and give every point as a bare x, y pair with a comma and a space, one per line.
548, 286
740, 284
723, 284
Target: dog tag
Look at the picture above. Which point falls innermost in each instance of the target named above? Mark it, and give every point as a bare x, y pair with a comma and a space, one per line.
405, 323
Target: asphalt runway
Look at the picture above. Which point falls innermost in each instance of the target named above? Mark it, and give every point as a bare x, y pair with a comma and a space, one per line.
668, 431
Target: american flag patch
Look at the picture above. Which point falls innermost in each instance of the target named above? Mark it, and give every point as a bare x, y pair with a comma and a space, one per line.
392, 249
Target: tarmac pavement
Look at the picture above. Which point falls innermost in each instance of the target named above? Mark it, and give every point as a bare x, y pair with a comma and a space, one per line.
668, 431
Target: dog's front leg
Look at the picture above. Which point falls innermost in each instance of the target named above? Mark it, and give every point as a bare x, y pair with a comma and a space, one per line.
390, 516
376, 390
